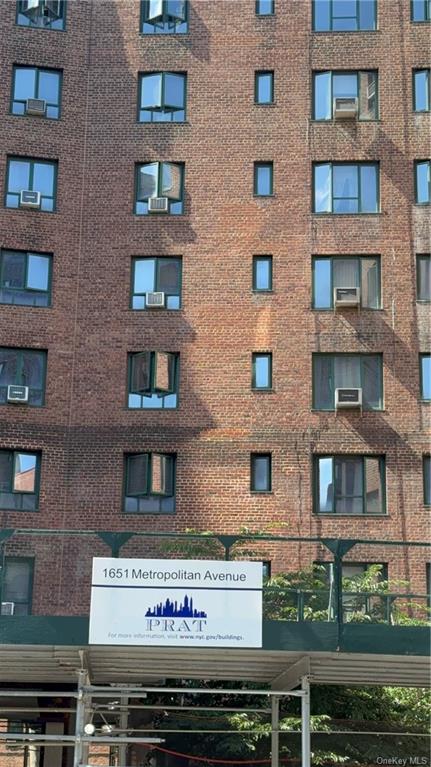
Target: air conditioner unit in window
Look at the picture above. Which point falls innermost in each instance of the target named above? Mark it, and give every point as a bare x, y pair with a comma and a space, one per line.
158, 205
155, 300
348, 398
17, 394
345, 109
35, 107
7, 608
28, 199
346, 297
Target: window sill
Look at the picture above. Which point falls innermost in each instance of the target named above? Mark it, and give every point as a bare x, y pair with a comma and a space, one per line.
262, 196
345, 215
423, 300
148, 513
258, 291
421, 111
425, 401
169, 35
345, 31
29, 210
37, 117
333, 515
263, 391
258, 104
357, 410
262, 492
162, 122
333, 121
422, 204
348, 308
40, 29
151, 409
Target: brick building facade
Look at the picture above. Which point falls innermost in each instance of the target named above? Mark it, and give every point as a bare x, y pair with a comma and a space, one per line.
85, 429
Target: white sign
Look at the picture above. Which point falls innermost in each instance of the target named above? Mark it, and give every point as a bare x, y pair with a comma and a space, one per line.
176, 602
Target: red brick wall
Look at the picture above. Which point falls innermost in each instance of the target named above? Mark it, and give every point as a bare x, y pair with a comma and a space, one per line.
84, 428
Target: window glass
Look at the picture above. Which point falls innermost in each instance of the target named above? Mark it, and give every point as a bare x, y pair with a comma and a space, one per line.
345, 371
264, 7
150, 483
174, 90
261, 371
24, 278
31, 175
427, 479
370, 283
263, 179
344, 15
262, 273
23, 367
373, 486
322, 96
162, 97
426, 376
24, 480
44, 14
348, 485
345, 188
43, 178
160, 179
422, 181
156, 274
421, 95
19, 175
151, 91
345, 85
322, 292
326, 488
171, 181
421, 10
264, 87
424, 278
153, 380
17, 583
368, 202
25, 83
322, 188
337, 272
261, 472
164, 17
18, 480
346, 272
148, 175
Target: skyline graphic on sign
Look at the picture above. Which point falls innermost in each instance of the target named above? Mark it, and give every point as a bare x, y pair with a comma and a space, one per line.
174, 610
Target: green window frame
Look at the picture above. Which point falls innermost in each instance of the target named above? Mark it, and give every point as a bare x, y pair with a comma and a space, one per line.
327, 274
23, 367
262, 274
263, 179
156, 274
153, 380
19, 480
163, 108
366, 499
333, 203
265, 7
425, 376
422, 182
366, 92
426, 474
10, 591
261, 472
164, 179
324, 18
324, 379
261, 367
421, 90
260, 76
41, 14
420, 10
25, 278
149, 486
30, 167
38, 89
164, 17
423, 277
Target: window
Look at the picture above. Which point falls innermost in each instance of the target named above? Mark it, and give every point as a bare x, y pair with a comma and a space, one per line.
425, 373
264, 87
422, 182
349, 484
261, 371
25, 278
344, 15
330, 272
263, 182
35, 83
19, 480
260, 472
345, 187
421, 10
45, 14
162, 97
164, 17
24, 174
266, 569
262, 273
345, 371
421, 90
23, 367
154, 275
423, 271
328, 86
153, 380
427, 479
150, 483
265, 7
17, 583
160, 179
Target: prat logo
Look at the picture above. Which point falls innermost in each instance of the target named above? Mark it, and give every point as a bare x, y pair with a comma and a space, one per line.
164, 616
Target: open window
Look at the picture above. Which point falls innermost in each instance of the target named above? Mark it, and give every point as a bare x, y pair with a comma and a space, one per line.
153, 380
162, 97
44, 14
150, 479
164, 17
162, 182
